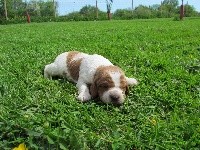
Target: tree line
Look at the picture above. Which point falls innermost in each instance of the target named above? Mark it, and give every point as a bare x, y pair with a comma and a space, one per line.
10, 9
15, 11
164, 10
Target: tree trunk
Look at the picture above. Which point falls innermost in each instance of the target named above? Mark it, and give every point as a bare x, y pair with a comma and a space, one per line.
54, 8
28, 17
132, 7
182, 11
109, 15
5, 8
97, 15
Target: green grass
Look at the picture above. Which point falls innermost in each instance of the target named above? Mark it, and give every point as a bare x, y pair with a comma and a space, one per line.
162, 112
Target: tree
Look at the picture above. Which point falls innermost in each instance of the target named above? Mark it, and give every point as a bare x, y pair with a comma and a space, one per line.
173, 3
170, 6
97, 9
189, 11
47, 8
11, 8
155, 7
33, 8
88, 9
5, 9
109, 5
54, 8
42, 8
143, 12
88, 12
123, 14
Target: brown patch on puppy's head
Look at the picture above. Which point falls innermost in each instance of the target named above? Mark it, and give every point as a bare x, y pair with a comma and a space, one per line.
109, 84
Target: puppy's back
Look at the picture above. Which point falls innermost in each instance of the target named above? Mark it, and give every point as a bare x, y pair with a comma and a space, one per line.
89, 66
65, 65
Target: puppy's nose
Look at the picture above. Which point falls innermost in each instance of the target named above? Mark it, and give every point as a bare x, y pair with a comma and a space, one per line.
114, 98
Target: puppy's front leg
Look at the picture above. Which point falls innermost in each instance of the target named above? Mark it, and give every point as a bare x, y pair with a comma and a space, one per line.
83, 92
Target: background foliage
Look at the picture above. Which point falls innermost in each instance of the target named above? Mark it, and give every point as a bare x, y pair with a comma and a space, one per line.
43, 11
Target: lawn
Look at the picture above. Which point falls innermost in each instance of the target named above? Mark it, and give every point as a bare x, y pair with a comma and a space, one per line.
162, 112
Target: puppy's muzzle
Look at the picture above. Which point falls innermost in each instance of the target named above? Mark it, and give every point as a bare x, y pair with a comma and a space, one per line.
114, 98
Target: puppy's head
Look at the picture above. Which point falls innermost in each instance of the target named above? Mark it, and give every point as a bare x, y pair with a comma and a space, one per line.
110, 84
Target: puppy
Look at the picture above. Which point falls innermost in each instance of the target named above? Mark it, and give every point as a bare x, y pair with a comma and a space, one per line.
94, 75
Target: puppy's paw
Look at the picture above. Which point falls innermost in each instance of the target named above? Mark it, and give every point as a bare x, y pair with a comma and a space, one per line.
83, 97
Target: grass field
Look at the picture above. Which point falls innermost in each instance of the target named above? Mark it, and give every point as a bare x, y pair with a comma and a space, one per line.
162, 112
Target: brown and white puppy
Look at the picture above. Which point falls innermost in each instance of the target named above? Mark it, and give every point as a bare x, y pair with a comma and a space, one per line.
104, 79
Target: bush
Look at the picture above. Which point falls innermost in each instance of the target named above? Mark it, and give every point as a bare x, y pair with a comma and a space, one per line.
17, 20
176, 18
123, 14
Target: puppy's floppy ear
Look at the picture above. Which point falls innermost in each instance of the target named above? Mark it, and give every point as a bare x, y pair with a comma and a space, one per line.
127, 90
131, 81
93, 90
